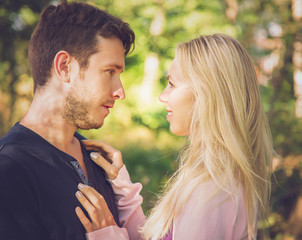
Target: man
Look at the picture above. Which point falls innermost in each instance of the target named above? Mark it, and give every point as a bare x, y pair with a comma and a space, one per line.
76, 55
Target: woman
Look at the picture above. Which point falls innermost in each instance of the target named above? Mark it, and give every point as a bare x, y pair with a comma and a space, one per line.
222, 186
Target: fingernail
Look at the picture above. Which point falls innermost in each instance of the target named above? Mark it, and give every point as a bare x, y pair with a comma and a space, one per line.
77, 209
80, 185
94, 155
79, 194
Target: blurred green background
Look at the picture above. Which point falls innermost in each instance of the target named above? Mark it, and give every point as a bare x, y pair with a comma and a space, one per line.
271, 31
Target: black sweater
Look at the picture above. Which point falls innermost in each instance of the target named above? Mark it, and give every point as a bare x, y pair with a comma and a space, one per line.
37, 188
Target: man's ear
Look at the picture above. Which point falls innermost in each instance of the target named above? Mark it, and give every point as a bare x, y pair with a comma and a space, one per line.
62, 65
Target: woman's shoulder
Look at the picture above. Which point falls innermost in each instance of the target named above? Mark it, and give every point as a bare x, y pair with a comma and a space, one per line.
209, 192
213, 211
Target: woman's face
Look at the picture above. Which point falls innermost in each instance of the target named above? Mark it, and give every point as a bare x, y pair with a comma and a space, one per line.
179, 101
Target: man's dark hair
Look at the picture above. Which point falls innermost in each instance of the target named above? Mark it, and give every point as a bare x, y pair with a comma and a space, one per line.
72, 27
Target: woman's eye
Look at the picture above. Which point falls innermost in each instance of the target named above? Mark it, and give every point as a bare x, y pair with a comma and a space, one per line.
170, 84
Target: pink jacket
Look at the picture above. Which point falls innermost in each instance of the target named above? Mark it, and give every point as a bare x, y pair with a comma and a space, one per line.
216, 219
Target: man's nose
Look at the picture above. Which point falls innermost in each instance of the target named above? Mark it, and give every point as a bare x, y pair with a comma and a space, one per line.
119, 92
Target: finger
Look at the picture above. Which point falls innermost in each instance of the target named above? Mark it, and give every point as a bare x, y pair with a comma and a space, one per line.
117, 159
94, 198
106, 147
99, 213
91, 209
84, 220
93, 143
110, 169
91, 148
105, 209
99, 160
96, 145
106, 150
98, 200
90, 142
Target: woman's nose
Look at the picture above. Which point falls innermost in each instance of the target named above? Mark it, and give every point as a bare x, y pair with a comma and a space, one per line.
163, 96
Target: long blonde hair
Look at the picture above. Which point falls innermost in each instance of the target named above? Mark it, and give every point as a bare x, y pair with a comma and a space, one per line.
229, 141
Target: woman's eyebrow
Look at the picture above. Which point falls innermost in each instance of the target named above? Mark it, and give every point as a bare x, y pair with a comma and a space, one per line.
170, 78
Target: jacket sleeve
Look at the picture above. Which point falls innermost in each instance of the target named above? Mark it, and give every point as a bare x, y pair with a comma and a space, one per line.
19, 217
130, 212
109, 233
212, 216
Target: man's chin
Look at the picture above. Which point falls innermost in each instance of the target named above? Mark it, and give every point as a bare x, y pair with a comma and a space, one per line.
88, 126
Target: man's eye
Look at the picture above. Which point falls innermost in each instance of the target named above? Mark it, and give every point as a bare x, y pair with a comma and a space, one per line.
110, 71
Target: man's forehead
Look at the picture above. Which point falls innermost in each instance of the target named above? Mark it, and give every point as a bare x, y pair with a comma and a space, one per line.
110, 52
103, 43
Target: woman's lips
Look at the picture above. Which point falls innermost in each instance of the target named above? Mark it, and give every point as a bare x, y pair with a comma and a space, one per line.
169, 115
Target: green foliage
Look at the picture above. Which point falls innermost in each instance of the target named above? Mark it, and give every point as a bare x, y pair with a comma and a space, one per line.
137, 126
151, 168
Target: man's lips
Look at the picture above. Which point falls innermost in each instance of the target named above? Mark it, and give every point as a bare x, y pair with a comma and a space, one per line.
107, 107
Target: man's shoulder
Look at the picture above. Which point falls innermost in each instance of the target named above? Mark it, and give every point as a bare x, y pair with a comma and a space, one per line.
8, 137
15, 147
22, 140
15, 134
11, 167
14, 139
13, 156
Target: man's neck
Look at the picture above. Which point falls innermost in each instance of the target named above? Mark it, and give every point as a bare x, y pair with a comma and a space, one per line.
45, 118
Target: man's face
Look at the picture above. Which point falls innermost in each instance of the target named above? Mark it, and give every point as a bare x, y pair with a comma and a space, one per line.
94, 91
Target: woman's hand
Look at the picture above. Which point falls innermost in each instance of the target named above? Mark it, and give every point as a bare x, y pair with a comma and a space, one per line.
97, 208
107, 157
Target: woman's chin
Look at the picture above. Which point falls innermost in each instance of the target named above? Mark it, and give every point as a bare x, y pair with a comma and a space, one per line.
178, 132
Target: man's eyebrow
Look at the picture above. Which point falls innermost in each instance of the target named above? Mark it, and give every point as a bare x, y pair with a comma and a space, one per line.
116, 66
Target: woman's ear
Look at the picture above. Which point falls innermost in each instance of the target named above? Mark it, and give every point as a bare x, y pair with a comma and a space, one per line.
61, 65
